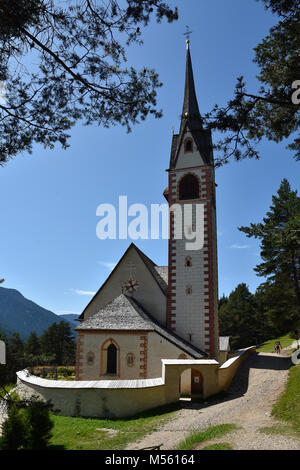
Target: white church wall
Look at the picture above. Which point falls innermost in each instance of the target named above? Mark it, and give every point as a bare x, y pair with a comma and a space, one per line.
128, 342
195, 304
159, 348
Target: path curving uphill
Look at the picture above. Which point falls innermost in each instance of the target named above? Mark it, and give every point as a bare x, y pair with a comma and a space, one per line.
248, 404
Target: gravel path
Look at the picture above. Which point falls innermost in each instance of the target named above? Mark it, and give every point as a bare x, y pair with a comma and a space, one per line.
257, 385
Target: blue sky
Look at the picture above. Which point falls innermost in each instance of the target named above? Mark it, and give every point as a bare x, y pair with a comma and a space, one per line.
49, 248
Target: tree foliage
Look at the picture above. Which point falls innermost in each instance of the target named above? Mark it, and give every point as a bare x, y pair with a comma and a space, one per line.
240, 319
279, 233
57, 341
271, 113
28, 424
79, 48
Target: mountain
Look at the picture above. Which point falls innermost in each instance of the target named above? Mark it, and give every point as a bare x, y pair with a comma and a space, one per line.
18, 314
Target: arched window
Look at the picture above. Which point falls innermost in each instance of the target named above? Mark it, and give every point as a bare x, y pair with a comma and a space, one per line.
112, 353
188, 145
188, 188
110, 358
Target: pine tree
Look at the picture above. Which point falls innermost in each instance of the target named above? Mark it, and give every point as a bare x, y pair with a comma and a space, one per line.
239, 318
33, 346
58, 341
279, 233
76, 51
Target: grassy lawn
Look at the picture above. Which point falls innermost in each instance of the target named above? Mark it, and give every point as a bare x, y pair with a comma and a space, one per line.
268, 346
287, 408
197, 437
91, 434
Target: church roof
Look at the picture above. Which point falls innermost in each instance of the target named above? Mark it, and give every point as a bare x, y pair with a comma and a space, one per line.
124, 313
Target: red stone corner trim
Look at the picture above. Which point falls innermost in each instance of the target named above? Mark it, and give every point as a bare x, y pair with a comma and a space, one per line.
143, 356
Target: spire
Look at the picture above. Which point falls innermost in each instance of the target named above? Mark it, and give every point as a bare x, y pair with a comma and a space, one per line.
190, 110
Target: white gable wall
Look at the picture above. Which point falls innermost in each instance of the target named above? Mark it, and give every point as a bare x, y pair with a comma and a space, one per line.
190, 159
148, 294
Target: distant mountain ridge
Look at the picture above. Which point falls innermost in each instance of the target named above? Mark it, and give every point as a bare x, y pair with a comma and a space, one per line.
21, 315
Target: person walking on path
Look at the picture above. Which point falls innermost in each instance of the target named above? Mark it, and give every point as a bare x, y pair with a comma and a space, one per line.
277, 347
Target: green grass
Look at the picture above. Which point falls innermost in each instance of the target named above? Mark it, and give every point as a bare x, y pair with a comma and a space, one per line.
219, 446
268, 346
197, 437
92, 434
287, 407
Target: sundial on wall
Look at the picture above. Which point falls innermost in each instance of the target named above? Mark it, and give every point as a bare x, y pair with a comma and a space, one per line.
131, 285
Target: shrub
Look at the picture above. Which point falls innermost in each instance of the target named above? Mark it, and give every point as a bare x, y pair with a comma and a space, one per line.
13, 430
28, 424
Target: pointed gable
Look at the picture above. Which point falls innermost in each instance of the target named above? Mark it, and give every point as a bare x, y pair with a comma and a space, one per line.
151, 290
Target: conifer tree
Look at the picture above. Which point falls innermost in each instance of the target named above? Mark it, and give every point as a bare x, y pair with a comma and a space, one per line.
279, 233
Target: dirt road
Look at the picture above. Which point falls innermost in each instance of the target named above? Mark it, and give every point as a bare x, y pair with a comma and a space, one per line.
248, 404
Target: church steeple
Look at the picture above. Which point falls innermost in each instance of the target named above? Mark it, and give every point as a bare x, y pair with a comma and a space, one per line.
190, 110
191, 121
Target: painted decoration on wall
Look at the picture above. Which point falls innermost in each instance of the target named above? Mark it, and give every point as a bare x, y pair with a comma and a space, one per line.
130, 358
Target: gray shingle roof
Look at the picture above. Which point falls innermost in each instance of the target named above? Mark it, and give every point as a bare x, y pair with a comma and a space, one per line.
116, 315
124, 313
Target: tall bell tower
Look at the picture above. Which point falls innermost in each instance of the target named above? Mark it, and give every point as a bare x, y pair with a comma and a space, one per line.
192, 306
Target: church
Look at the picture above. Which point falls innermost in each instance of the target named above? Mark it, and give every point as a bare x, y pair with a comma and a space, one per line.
144, 313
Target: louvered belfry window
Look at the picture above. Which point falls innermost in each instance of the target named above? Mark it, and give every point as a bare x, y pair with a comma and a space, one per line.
188, 188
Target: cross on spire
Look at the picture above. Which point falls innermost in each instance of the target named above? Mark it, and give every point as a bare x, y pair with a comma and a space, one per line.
187, 34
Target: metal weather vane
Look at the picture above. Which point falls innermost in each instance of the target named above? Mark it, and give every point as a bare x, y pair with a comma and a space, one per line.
187, 34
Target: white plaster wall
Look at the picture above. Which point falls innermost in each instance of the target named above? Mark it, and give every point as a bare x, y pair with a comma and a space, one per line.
190, 309
128, 342
190, 159
159, 348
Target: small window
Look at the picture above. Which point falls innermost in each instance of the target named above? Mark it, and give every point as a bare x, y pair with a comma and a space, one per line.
188, 290
130, 359
188, 146
188, 262
90, 358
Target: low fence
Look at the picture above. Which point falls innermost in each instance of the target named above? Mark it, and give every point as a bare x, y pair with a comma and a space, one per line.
228, 370
124, 398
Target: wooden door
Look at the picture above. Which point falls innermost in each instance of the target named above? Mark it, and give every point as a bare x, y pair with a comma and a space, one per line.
197, 382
